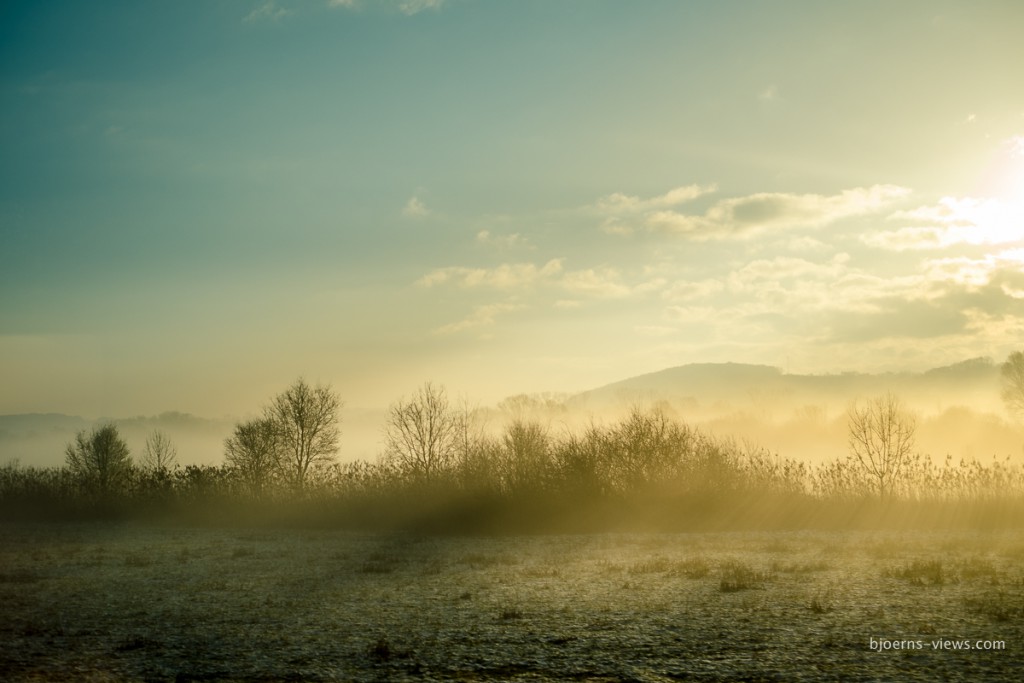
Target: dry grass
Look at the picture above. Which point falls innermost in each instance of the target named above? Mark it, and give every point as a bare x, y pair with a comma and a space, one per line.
823, 601
740, 576
918, 572
338, 606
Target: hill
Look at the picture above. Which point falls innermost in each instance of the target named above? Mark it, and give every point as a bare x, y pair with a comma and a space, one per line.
705, 385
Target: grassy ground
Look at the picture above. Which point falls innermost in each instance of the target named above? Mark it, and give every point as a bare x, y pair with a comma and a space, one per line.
110, 603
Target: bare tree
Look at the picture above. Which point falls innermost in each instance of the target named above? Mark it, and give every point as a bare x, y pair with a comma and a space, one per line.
1012, 373
881, 437
423, 434
100, 460
253, 452
525, 456
158, 453
306, 421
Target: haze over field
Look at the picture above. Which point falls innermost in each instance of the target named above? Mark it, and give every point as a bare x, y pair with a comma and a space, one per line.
200, 202
957, 410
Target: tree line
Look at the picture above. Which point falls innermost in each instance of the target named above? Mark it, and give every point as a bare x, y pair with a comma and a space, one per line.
439, 462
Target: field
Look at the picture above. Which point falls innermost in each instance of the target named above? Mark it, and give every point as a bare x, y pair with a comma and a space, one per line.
104, 602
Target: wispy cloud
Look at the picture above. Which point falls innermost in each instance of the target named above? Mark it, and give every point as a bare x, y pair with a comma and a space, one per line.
622, 211
505, 276
604, 283
596, 283
266, 11
411, 7
654, 330
686, 290
510, 241
619, 203
757, 214
415, 208
406, 7
760, 266
481, 317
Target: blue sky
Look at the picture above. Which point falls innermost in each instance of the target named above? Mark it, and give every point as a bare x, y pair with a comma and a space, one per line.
201, 201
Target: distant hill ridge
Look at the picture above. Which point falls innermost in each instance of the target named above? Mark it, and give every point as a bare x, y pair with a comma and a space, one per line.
718, 381
709, 380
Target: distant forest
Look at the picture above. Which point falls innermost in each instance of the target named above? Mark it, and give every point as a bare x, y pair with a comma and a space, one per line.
439, 471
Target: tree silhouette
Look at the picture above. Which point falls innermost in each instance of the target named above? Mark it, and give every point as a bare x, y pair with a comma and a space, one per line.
422, 435
252, 451
158, 453
306, 423
100, 460
1012, 374
881, 436
525, 456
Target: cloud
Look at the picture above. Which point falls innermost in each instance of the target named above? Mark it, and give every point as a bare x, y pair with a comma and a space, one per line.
744, 217
691, 314
685, 290
963, 271
482, 316
907, 239
415, 208
515, 240
619, 203
267, 11
604, 283
411, 7
654, 330
897, 318
505, 276
786, 284
973, 273
834, 303
973, 301
784, 268
406, 7
953, 221
621, 211
805, 243
595, 283
798, 285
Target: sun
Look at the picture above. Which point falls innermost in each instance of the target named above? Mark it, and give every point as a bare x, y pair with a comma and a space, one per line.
997, 217
1007, 173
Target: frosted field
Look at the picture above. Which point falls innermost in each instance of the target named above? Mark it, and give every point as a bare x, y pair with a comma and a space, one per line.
147, 603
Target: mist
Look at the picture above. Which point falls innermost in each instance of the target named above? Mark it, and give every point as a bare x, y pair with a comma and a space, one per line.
461, 340
804, 417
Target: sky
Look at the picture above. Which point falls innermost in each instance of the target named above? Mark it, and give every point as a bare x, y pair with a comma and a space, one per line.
201, 201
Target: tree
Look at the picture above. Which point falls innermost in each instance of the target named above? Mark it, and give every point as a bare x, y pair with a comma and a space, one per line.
306, 423
252, 451
526, 456
1012, 374
645, 446
100, 460
158, 453
580, 463
423, 434
881, 437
